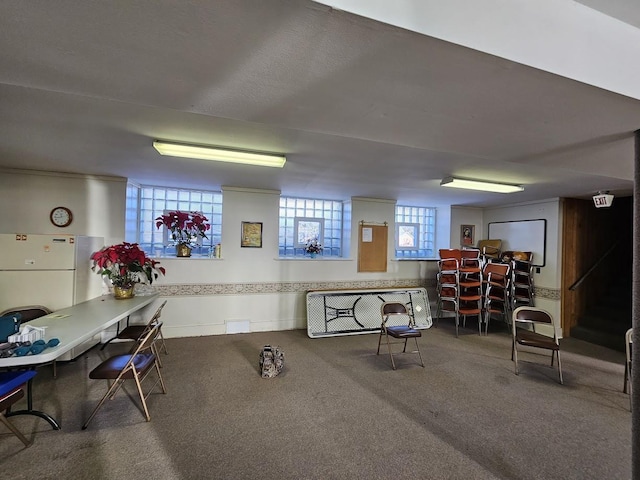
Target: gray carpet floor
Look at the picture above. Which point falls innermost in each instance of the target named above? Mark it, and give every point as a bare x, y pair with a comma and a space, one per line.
337, 411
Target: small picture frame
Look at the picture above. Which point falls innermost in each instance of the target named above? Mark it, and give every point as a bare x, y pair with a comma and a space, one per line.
467, 235
251, 235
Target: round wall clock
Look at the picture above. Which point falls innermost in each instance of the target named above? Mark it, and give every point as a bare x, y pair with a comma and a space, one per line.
61, 216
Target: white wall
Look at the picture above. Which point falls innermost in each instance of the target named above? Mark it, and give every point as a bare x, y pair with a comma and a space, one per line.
251, 288
248, 289
97, 203
548, 280
466, 216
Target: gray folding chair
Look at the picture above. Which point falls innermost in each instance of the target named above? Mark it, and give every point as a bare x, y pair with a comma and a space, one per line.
524, 322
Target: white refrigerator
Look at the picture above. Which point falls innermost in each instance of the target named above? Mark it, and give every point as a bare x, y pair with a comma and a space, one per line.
49, 270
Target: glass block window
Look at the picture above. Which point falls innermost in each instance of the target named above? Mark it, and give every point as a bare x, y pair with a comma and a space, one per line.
302, 219
131, 213
415, 232
152, 201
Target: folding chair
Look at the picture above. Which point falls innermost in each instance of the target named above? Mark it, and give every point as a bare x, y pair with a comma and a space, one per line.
496, 279
470, 292
490, 249
402, 332
459, 284
133, 332
522, 287
448, 287
134, 366
628, 343
524, 322
11, 390
28, 313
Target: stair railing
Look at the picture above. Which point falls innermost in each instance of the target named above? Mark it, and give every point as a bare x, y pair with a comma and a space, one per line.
578, 282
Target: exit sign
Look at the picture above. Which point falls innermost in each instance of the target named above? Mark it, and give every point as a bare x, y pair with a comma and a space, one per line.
602, 200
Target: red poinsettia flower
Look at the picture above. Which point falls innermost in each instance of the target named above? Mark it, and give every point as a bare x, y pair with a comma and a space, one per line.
185, 227
125, 264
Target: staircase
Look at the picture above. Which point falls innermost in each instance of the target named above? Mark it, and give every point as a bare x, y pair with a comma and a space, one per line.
606, 323
599, 255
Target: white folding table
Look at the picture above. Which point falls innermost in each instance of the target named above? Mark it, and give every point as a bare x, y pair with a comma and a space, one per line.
73, 326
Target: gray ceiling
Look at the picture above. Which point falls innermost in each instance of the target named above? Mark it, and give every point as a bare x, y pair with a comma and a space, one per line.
359, 107
627, 11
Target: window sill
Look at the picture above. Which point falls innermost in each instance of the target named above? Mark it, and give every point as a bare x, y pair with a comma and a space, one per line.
309, 259
192, 257
425, 259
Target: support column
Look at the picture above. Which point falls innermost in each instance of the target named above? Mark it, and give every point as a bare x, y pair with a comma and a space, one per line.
635, 312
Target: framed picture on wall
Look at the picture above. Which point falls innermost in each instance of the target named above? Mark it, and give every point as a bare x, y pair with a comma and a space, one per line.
251, 235
467, 235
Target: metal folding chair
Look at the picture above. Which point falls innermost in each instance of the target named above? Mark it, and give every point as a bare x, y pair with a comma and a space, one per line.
134, 366
628, 343
133, 332
403, 331
11, 390
524, 323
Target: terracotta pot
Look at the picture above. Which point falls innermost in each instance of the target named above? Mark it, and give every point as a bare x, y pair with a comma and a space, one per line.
121, 293
183, 250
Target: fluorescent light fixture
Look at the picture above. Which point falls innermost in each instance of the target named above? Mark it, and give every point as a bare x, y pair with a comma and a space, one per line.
480, 185
219, 154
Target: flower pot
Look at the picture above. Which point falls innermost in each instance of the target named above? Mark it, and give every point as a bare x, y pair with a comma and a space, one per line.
183, 250
313, 254
121, 293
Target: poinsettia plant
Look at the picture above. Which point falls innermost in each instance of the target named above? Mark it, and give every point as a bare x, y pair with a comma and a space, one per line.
185, 227
126, 264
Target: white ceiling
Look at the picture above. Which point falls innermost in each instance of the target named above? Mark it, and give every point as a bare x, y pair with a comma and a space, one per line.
359, 107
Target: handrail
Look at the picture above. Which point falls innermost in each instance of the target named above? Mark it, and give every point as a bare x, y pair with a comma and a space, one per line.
577, 283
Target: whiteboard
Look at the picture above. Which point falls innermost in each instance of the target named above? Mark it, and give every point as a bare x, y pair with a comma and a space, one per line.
524, 236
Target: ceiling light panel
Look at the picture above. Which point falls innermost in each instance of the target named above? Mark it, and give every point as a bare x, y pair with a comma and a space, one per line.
480, 185
219, 154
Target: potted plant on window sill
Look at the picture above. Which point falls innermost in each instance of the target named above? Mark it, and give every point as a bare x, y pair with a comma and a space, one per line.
125, 264
313, 248
186, 229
